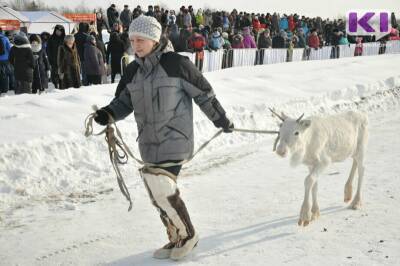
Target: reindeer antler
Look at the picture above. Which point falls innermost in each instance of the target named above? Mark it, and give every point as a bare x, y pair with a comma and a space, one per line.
298, 119
280, 117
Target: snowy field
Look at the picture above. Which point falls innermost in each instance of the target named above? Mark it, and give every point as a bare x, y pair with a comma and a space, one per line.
60, 203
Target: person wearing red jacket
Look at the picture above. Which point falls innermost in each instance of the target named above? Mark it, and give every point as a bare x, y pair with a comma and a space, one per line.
292, 25
313, 40
197, 43
256, 24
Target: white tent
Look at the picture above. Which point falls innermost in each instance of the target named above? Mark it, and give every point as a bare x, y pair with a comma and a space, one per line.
11, 19
40, 21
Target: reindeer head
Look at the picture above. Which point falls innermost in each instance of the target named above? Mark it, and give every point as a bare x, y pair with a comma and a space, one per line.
290, 133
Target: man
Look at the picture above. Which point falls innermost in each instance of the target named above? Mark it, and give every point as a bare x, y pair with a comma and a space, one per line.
126, 17
21, 57
5, 69
150, 11
101, 24
112, 15
80, 41
313, 39
56, 40
158, 87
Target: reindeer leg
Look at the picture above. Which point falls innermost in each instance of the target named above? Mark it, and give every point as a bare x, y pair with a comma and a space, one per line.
305, 212
315, 207
310, 183
348, 188
356, 203
361, 145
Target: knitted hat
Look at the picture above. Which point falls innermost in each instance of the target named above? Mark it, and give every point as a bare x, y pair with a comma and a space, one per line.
146, 27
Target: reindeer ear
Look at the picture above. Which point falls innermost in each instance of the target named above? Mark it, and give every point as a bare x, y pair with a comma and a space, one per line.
284, 116
304, 124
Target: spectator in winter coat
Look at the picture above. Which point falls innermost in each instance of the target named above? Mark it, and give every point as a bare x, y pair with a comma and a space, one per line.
165, 20
248, 39
264, 41
45, 36
187, 19
393, 20
101, 24
100, 44
335, 38
291, 24
126, 17
321, 40
164, 117
5, 68
256, 24
359, 47
69, 65
137, 12
112, 15
205, 31
41, 70
279, 40
208, 19
225, 21
343, 39
237, 41
94, 62
313, 40
115, 49
302, 40
21, 57
197, 44
217, 20
284, 24
275, 23
199, 17
172, 18
227, 44
150, 11
173, 35
80, 41
394, 34
216, 41
184, 36
56, 40
245, 21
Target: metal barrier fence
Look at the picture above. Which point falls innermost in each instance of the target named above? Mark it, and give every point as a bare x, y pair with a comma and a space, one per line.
208, 61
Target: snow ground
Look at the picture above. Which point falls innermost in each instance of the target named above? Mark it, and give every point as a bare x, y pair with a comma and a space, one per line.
60, 205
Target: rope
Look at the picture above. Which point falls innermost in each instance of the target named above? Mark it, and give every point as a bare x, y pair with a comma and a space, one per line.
119, 152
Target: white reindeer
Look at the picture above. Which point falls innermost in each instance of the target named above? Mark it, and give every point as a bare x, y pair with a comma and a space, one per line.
318, 142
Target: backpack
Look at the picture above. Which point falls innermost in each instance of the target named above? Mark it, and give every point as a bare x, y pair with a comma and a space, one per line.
2, 46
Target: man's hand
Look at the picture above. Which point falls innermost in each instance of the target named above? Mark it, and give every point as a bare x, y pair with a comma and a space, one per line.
224, 123
102, 117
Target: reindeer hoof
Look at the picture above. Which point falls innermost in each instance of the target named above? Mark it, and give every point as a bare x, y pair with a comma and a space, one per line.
303, 223
355, 205
315, 216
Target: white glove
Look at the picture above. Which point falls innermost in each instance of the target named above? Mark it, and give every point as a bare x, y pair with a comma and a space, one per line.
48, 74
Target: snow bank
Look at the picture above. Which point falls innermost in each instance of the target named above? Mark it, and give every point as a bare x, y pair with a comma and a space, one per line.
45, 155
